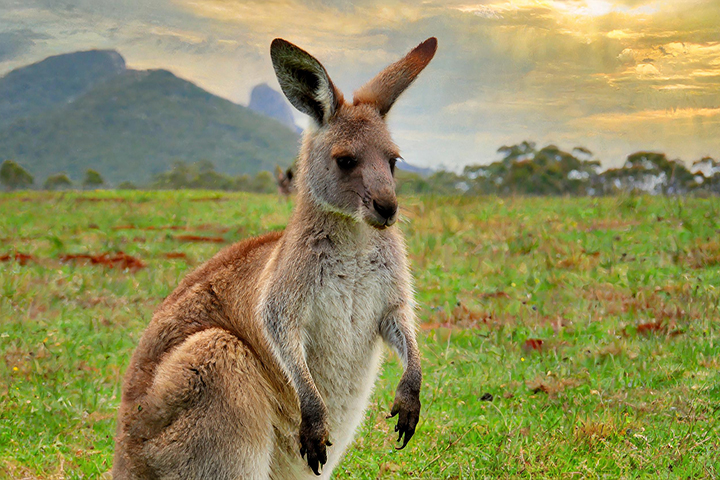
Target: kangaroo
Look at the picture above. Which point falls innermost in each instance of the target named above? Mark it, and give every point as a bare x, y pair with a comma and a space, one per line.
261, 363
284, 181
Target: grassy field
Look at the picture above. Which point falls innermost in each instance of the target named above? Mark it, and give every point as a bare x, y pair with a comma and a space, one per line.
561, 337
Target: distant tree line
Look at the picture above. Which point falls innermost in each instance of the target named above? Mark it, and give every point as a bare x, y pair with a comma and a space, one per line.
525, 170
202, 175
197, 175
14, 177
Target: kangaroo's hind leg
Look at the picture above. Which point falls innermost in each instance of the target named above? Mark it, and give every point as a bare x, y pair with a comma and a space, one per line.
207, 415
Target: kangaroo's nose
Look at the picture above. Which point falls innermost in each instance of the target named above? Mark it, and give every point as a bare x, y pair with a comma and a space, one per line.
385, 211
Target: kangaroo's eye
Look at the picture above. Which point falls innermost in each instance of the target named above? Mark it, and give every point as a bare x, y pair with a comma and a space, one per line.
393, 161
346, 162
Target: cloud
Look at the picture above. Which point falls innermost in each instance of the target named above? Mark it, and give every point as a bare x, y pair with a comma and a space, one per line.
505, 71
16, 42
624, 121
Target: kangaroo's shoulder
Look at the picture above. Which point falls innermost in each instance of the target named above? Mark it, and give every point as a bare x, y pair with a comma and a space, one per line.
239, 257
201, 301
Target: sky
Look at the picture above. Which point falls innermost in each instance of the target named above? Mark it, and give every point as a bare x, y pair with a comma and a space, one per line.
614, 76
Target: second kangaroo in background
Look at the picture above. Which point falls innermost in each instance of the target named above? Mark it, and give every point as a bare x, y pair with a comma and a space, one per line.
260, 364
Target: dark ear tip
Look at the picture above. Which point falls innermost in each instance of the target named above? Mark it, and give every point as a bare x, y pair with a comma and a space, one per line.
279, 43
429, 46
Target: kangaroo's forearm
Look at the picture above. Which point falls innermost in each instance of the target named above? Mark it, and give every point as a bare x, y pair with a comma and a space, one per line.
283, 331
398, 331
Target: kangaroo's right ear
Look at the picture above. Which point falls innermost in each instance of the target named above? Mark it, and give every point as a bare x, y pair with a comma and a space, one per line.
304, 81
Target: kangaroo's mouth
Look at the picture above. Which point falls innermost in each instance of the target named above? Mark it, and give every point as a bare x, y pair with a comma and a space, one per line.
379, 222
381, 214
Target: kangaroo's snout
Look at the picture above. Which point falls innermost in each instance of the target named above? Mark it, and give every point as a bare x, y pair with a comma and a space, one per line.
381, 205
387, 210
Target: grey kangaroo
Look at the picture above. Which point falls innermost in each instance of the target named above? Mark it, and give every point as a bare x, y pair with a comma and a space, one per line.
261, 363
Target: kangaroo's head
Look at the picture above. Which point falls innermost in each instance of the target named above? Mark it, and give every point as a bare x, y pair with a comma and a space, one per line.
348, 160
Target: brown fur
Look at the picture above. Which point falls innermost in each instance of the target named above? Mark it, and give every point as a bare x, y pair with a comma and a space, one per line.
205, 315
267, 353
284, 181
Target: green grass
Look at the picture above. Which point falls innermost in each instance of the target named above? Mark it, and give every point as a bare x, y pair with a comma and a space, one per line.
620, 294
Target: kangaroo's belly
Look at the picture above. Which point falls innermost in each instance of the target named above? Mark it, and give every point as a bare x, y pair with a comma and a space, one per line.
347, 388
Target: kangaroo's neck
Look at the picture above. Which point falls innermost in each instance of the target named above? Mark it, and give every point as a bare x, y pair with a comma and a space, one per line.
311, 221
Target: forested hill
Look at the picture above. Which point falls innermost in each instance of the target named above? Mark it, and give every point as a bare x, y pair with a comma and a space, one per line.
57, 80
130, 125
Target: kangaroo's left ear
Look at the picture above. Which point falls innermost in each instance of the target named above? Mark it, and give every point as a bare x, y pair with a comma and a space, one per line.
386, 87
304, 81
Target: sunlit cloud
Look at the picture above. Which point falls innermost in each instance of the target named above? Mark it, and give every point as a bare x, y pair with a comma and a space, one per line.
183, 35
587, 8
621, 120
307, 20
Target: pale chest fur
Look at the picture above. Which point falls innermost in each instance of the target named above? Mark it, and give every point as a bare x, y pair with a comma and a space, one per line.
342, 335
342, 287
342, 340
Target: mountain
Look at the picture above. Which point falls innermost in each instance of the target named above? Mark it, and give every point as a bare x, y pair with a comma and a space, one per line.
134, 124
405, 166
271, 103
57, 80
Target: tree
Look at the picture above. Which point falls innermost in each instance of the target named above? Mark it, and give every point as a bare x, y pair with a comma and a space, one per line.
211, 180
521, 151
707, 175
175, 178
264, 182
93, 179
649, 172
582, 153
411, 183
447, 183
126, 185
527, 171
199, 175
242, 183
14, 176
205, 166
57, 181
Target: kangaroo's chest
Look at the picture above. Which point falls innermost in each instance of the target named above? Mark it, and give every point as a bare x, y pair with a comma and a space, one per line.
342, 343
349, 299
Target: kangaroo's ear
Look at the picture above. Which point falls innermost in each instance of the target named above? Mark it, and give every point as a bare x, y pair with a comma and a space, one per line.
304, 81
386, 87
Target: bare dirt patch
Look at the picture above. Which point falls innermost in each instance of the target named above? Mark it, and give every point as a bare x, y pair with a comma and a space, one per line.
102, 199
550, 385
174, 255
464, 317
210, 199
22, 258
533, 344
609, 224
660, 328
702, 255
198, 238
117, 259
617, 301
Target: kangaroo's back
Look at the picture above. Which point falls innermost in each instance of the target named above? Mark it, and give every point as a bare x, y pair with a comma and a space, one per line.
219, 293
212, 307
